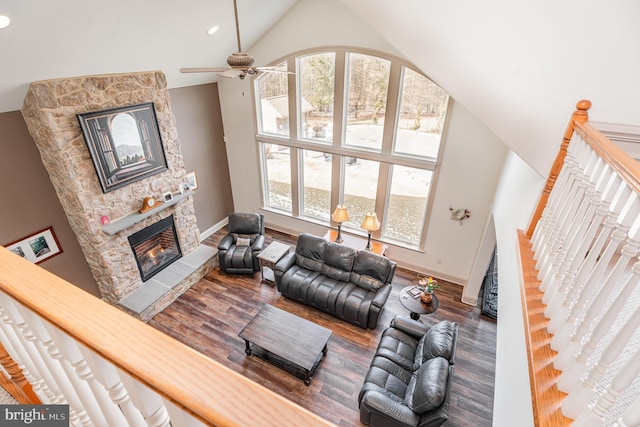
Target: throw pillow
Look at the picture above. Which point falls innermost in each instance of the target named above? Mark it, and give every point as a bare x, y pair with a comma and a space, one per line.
243, 242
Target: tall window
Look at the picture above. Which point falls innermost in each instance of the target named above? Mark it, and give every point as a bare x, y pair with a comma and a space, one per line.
379, 125
420, 116
277, 176
316, 80
360, 187
368, 83
408, 195
316, 188
273, 103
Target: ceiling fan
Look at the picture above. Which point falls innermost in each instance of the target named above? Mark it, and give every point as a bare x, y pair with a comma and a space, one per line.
240, 63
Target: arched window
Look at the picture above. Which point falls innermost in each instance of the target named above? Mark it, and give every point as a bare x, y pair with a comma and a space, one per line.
355, 128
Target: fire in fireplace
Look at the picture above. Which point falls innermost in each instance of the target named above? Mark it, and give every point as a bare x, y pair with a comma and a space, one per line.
155, 247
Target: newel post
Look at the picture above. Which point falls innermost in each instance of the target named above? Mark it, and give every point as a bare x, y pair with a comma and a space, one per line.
581, 115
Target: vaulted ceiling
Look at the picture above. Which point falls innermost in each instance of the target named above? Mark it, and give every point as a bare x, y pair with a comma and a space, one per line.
49, 39
519, 67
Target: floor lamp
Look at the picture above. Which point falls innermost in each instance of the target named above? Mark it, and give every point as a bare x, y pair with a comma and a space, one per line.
370, 224
340, 215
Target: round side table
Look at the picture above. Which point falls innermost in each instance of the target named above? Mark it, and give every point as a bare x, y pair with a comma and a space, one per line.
415, 306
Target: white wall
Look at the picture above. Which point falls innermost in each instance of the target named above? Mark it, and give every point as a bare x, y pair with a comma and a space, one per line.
516, 197
467, 176
520, 67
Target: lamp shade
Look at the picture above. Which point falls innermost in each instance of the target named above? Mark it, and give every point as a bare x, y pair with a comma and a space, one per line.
340, 214
370, 222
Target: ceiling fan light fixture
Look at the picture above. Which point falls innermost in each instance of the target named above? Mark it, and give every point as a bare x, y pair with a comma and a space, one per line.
213, 30
240, 60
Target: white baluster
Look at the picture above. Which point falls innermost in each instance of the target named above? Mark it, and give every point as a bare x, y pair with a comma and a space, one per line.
563, 358
577, 244
107, 375
572, 372
621, 381
559, 303
593, 268
16, 349
549, 267
549, 214
95, 398
75, 391
560, 199
583, 391
567, 208
37, 355
631, 417
149, 402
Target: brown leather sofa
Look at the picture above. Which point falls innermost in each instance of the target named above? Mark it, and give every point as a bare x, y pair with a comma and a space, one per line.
350, 284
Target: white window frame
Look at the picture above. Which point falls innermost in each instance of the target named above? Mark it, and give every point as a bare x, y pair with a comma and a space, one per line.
339, 152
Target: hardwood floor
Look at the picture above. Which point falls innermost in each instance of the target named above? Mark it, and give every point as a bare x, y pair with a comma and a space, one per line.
209, 316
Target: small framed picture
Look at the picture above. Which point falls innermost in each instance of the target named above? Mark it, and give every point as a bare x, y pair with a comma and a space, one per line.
37, 247
167, 196
191, 180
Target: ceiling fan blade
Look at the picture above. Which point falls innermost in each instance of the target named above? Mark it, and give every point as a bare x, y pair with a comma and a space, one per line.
231, 72
203, 70
273, 70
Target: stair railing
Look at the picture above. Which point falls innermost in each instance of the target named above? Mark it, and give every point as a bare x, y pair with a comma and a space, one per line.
580, 287
114, 370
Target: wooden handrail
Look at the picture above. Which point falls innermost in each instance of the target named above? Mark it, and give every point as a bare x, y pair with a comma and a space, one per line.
581, 115
619, 160
201, 386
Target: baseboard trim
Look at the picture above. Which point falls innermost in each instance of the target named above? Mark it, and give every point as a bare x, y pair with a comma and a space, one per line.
209, 231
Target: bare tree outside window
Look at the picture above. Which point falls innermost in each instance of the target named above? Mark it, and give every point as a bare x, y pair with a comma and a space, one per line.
316, 74
366, 100
421, 116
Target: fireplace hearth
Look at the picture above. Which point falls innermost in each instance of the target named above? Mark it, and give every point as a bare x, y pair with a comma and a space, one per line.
155, 247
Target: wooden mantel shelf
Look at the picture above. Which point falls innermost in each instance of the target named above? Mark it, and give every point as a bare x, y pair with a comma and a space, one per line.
129, 220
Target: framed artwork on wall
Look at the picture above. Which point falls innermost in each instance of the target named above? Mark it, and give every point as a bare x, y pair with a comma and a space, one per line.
124, 143
37, 247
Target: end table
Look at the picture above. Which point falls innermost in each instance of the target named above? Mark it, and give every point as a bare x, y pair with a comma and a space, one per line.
415, 306
268, 258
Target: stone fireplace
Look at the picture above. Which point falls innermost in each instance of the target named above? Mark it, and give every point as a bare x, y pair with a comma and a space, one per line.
50, 110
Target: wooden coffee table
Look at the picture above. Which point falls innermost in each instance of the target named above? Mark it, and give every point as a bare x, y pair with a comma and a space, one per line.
289, 342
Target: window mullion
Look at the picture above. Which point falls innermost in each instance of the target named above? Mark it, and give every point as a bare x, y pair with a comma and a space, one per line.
296, 180
292, 88
391, 111
382, 194
339, 99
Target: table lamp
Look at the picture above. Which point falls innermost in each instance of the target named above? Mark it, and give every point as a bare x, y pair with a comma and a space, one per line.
370, 224
340, 215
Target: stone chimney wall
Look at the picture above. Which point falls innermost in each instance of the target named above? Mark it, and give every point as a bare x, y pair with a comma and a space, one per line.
50, 109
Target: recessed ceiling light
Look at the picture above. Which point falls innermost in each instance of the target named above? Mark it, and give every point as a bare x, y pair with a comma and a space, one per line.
4, 22
213, 29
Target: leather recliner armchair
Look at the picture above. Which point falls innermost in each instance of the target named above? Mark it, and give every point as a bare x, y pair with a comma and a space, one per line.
238, 250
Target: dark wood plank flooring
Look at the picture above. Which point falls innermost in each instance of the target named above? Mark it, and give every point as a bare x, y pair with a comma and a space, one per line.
209, 316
